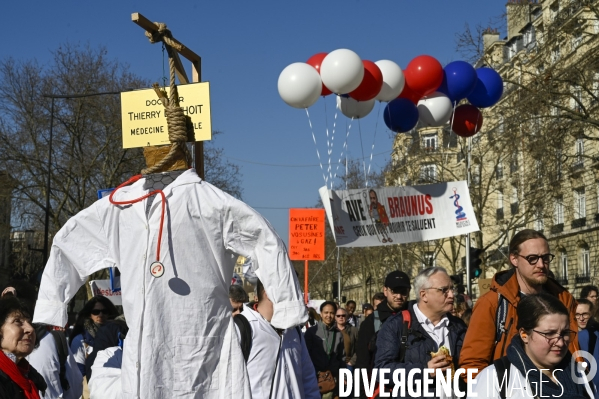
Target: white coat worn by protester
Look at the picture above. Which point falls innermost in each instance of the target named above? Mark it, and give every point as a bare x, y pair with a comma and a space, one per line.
487, 386
292, 369
181, 341
106, 374
45, 360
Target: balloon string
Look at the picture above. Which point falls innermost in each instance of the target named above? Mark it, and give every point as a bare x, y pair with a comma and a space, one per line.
332, 142
363, 158
344, 149
329, 142
316, 146
376, 126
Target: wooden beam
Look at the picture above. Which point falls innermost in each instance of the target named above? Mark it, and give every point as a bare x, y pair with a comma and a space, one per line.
179, 69
150, 26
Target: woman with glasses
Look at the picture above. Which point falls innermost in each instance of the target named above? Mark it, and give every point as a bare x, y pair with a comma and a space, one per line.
538, 363
584, 311
350, 337
94, 314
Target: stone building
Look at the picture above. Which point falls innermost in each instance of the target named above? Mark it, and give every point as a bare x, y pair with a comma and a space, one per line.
535, 162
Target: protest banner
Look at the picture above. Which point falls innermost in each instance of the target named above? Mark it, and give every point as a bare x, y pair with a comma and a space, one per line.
397, 215
102, 287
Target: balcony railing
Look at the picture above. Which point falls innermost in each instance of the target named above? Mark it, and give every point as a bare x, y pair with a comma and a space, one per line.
500, 214
514, 208
576, 223
562, 280
557, 228
583, 278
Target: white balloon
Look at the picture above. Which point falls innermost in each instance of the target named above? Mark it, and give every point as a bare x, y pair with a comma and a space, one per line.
435, 110
299, 85
393, 80
353, 108
342, 71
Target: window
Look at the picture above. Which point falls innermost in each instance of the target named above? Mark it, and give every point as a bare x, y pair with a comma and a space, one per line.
428, 173
555, 54
563, 263
476, 174
579, 204
595, 88
579, 150
529, 36
558, 164
576, 100
428, 260
576, 39
514, 164
539, 223
501, 124
499, 171
429, 142
514, 195
539, 168
553, 11
558, 217
585, 262
499, 200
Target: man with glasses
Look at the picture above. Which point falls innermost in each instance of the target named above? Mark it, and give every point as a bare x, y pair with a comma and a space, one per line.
396, 291
584, 311
589, 292
494, 318
431, 327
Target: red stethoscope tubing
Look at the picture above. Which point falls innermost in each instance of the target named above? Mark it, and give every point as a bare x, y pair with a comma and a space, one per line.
133, 201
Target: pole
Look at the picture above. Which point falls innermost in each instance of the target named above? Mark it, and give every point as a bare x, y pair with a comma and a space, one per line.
468, 282
338, 277
306, 282
48, 186
46, 249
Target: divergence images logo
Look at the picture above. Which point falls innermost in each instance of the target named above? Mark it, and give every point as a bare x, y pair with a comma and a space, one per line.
460, 215
578, 369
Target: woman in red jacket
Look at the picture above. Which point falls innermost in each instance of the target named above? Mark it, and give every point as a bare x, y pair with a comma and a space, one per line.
17, 340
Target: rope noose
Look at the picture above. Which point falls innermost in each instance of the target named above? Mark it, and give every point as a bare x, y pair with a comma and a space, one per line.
179, 126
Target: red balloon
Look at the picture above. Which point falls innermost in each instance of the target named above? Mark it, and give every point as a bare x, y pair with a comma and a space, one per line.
410, 94
424, 74
467, 120
315, 61
372, 82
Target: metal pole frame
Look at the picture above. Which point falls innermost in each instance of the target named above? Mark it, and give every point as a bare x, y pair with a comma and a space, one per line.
46, 249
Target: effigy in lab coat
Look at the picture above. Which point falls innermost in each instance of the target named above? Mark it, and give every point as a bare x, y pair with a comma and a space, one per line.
181, 342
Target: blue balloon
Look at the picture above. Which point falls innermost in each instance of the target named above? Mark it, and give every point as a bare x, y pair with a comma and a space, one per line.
401, 115
488, 90
459, 80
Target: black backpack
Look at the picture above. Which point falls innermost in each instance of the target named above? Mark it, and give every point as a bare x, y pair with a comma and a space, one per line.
62, 348
407, 319
245, 331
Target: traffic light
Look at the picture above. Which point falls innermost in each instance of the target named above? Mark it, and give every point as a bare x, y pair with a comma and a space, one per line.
335, 289
475, 262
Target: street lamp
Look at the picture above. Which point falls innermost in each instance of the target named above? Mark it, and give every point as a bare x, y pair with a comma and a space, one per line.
45, 250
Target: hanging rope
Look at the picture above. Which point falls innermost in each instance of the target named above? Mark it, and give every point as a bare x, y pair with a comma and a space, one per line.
179, 126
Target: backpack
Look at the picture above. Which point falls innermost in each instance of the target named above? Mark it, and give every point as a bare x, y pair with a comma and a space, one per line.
245, 332
500, 319
502, 368
62, 349
404, 335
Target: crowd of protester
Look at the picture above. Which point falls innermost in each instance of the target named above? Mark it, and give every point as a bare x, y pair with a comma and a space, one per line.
527, 329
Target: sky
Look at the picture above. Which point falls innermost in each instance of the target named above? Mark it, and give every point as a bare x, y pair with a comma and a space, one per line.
244, 47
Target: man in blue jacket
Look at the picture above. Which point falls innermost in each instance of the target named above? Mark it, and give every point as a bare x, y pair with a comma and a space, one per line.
431, 327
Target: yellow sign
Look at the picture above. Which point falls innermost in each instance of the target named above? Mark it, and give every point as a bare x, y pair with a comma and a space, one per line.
484, 285
144, 122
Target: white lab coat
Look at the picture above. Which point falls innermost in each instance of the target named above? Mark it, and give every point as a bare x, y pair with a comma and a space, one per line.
106, 374
181, 341
295, 376
487, 385
45, 360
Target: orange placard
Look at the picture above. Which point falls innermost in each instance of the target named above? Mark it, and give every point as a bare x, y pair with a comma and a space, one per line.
306, 234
